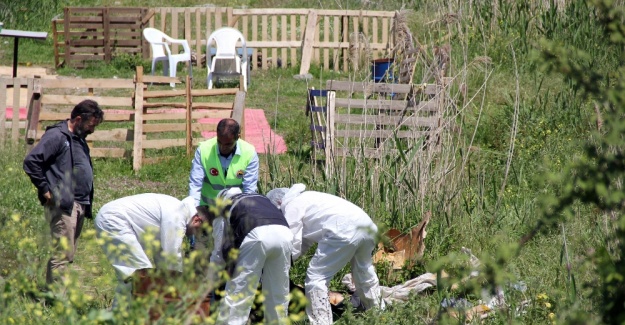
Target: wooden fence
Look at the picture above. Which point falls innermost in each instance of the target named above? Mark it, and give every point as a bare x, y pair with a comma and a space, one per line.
279, 37
96, 34
367, 119
135, 119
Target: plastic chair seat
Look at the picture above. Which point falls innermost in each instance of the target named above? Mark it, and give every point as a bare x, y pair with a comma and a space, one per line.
159, 44
226, 61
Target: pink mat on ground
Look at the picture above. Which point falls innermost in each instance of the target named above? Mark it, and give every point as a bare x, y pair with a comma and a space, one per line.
257, 132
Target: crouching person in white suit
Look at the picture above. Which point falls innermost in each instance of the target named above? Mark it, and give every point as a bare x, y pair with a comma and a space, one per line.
136, 226
259, 231
344, 232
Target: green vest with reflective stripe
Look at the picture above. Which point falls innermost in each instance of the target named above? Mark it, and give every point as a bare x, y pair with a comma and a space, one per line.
214, 178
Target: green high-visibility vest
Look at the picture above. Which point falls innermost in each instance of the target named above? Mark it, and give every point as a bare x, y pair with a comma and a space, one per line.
215, 179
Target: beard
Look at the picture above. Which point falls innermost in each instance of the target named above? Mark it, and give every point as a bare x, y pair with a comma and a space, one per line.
82, 131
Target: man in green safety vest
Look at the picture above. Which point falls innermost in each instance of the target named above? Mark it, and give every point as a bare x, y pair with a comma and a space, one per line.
224, 161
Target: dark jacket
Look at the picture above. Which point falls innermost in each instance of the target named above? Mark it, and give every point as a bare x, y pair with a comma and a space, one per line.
49, 165
247, 212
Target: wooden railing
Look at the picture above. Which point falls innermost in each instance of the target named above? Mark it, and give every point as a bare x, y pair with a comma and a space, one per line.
279, 37
135, 119
95, 34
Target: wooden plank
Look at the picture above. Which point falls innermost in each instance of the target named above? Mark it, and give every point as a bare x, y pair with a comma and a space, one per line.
385, 30
254, 38
218, 18
374, 35
336, 53
187, 29
196, 105
174, 29
209, 26
33, 112
274, 37
189, 120
265, 37
118, 134
239, 107
163, 143
108, 152
379, 134
283, 32
3, 108
330, 133
163, 93
182, 115
198, 36
214, 92
15, 134
307, 42
107, 36
66, 32
345, 30
326, 37
87, 83
412, 121
55, 44
380, 104
110, 117
164, 19
137, 145
245, 27
177, 127
50, 99
272, 11
316, 52
293, 39
276, 44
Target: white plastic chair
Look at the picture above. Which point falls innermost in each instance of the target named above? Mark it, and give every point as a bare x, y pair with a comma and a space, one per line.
161, 52
226, 61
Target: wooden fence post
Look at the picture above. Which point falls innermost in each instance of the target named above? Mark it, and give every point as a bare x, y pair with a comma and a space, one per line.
3, 109
329, 143
106, 20
15, 124
137, 147
33, 112
238, 111
189, 119
307, 43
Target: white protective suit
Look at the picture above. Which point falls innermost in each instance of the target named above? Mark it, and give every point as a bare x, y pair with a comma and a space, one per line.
344, 233
265, 254
133, 226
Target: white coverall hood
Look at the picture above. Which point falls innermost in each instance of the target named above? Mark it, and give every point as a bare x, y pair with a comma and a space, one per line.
228, 193
281, 195
189, 204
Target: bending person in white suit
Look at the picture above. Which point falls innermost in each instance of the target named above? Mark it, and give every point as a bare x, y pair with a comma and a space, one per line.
134, 227
344, 232
255, 227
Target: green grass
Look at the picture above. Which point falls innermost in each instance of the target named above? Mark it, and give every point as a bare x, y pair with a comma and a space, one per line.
482, 194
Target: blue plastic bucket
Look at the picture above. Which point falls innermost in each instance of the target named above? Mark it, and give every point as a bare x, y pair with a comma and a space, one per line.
380, 70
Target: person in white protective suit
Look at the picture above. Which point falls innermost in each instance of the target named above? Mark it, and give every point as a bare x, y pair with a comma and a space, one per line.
262, 236
344, 233
133, 226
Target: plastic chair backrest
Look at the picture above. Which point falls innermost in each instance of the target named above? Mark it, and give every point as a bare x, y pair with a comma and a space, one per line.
226, 39
153, 35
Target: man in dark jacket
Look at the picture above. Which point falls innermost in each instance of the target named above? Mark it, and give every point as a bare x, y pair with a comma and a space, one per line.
60, 168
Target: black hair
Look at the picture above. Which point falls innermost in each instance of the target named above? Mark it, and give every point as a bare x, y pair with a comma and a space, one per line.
87, 109
228, 126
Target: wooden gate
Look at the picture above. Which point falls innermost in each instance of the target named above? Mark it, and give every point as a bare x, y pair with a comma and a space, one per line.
97, 34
